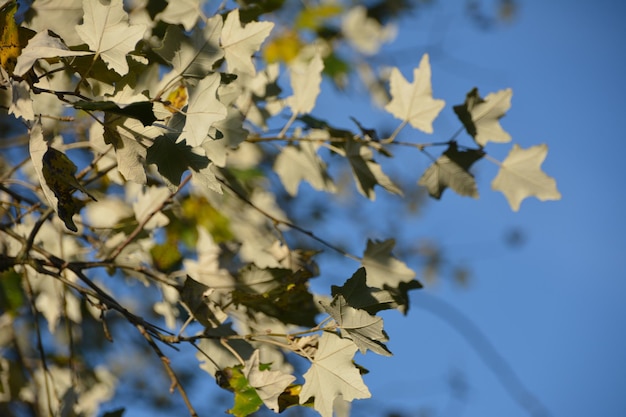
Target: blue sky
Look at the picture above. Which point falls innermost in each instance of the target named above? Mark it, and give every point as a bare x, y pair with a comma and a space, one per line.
554, 307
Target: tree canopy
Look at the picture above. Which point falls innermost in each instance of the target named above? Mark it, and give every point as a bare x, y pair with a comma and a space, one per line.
155, 155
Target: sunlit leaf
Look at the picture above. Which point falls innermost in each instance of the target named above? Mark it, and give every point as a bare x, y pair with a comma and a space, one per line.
241, 42
333, 374
184, 12
42, 45
520, 176
413, 102
481, 117
451, 169
301, 162
269, 385
364, 329
383, 269
106, 30
306, 78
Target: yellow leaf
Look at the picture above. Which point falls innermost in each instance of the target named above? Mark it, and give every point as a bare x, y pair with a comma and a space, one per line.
9, 37
177, 99
313, 17
283, 48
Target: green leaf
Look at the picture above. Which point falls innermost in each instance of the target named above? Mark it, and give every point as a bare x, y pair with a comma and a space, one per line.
193, 56
41, 46
300, 162
11, 294
106, 30
364, 329
247, 401
520, 176
358, 295
141, 110
241, 42
383, 269
130, 154
481, 117
451, 169
333, 374
413, 102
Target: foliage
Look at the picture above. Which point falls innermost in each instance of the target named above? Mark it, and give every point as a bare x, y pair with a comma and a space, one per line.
146, 143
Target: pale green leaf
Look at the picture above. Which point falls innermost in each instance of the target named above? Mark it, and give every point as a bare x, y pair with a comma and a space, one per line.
333, 374
202, 111
193, 56
106, 30
59, 16
306, 78
268, 384
241, 42
197, 298
21, 101
481, 117
206, 178
184, 12
42, 45
301, 162
520, 176
149, 200
366, 34
451, 169
413, 102
383, 269
364, 329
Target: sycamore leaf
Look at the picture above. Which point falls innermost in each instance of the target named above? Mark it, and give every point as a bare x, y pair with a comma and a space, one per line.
306, 78
413, 102
481, 117
451, 169
333, 374
184, 12
213, 356
21, 101
149, 200
9, 36
42, 45
203, 110
141, 110
240, 43
365, 330
56, 176
366, 171
193, 56
365, 33
207, 179
106, 30
59, 16
301, 162
382, 268
247, 401
359, 295
520, 176
197, 298
269, 385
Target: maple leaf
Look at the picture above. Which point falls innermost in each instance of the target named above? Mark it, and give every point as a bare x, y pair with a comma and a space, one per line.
297, 163
451, 169
56, 176
106, 30
193, 56
481, 117
131, 156
42, 45
268, 384
413, 102
203, 110
240, 43
520, 176
382, 268
306, 78
359, 295
364, 329
333, 374
184, 12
